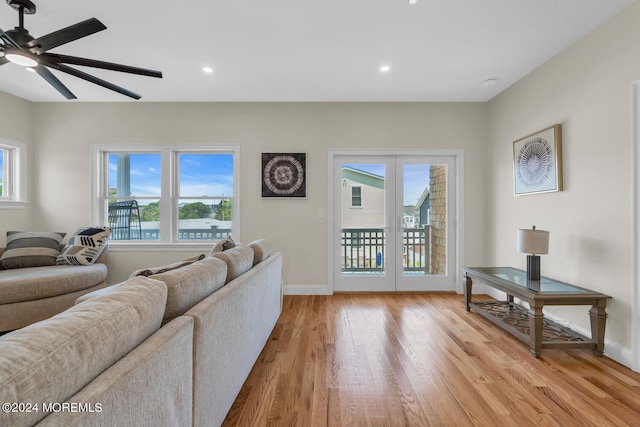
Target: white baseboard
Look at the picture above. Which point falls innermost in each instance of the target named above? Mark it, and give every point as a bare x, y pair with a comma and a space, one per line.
306, 290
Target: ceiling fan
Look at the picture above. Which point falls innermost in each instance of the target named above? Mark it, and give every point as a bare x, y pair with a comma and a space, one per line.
19, 47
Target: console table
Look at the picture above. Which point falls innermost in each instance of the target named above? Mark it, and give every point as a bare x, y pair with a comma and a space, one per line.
529, 325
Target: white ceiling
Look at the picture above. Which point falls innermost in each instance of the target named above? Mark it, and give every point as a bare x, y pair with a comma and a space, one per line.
308, 50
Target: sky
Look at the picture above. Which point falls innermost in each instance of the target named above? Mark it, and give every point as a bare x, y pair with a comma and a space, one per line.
416, 179
200, 174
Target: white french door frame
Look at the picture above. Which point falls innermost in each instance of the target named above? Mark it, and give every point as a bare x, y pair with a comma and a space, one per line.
458, 217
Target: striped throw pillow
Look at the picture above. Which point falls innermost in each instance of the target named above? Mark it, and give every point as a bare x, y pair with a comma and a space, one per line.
31, 249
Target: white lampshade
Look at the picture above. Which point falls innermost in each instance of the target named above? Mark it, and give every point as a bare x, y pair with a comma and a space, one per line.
533, 241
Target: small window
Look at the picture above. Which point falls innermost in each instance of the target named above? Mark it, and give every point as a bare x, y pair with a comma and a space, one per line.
356, 197
12, 174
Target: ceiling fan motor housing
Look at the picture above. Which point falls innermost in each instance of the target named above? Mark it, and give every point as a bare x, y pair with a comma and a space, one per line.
19, 35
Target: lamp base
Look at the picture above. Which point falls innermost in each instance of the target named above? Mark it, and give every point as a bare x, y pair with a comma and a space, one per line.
533, 267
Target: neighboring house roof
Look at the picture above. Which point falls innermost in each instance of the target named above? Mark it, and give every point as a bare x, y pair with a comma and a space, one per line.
410, 211
423, 198
363, 177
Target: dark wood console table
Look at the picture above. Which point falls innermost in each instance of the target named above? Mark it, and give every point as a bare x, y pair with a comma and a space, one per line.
529, 325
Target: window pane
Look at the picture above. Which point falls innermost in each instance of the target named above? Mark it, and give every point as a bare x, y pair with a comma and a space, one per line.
204, 219
134, 219
356, 197
206, 174
134, 175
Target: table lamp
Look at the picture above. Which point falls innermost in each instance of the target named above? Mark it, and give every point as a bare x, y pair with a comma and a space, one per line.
533, 242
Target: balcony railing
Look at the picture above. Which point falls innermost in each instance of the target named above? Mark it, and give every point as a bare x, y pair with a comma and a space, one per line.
362, 250
183, 234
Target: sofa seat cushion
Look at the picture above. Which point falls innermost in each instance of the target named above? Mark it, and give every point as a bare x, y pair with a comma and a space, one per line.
188, 285
52, 360
34, 283
239, 260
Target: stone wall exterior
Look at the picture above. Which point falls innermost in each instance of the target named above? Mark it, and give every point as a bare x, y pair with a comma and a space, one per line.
438, 218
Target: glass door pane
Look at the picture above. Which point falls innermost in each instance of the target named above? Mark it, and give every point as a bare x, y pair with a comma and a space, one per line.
363, 239
416, 197
424, 239
363, 219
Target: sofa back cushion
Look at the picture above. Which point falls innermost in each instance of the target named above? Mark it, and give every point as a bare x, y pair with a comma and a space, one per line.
239, 260
190, 284
261, 250
150, 271
52, 360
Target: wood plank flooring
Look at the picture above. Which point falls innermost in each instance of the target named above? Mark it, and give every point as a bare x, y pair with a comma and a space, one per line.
422, 360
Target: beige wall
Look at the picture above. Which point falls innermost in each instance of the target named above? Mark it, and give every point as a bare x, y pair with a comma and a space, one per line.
65, 131
587, 89
16, 124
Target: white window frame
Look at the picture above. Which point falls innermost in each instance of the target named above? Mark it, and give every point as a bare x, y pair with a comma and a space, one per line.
170, 190
14, 171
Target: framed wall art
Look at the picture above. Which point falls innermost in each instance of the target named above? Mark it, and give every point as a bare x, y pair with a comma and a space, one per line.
537, 162
284, 175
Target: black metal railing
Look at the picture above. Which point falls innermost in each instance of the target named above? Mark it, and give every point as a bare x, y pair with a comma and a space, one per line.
183, 234
362, 250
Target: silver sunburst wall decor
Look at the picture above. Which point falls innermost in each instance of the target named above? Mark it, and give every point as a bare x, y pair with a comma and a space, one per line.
537, 162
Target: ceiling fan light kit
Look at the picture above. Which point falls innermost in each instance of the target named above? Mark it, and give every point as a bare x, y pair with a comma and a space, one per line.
19, 47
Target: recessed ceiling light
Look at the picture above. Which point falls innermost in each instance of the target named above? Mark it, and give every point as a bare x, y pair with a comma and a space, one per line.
208, 70
413, 2
385, 68
490, 82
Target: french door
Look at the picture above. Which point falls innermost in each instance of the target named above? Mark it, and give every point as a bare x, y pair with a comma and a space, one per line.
393, 223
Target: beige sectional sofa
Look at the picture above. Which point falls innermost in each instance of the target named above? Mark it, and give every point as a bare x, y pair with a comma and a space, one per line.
170, 349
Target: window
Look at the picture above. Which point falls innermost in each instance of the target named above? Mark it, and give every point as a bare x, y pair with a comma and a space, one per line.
13, 183
356, 197
167, 195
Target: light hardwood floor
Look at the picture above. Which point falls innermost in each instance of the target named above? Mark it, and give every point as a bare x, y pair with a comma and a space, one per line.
422, 360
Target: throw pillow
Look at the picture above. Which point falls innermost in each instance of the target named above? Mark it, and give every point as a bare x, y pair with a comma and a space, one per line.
146, 272
31, 249
85, 246
222, 245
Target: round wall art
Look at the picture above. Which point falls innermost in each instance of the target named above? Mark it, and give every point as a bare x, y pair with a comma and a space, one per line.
284, 175
537, 162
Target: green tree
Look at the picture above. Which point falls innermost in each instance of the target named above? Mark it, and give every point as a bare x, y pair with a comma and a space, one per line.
223, 212
194, 210
151, 212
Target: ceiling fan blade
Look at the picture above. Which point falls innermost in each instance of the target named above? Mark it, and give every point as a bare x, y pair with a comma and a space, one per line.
53, 81
66, 59
65, 35
96, 80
